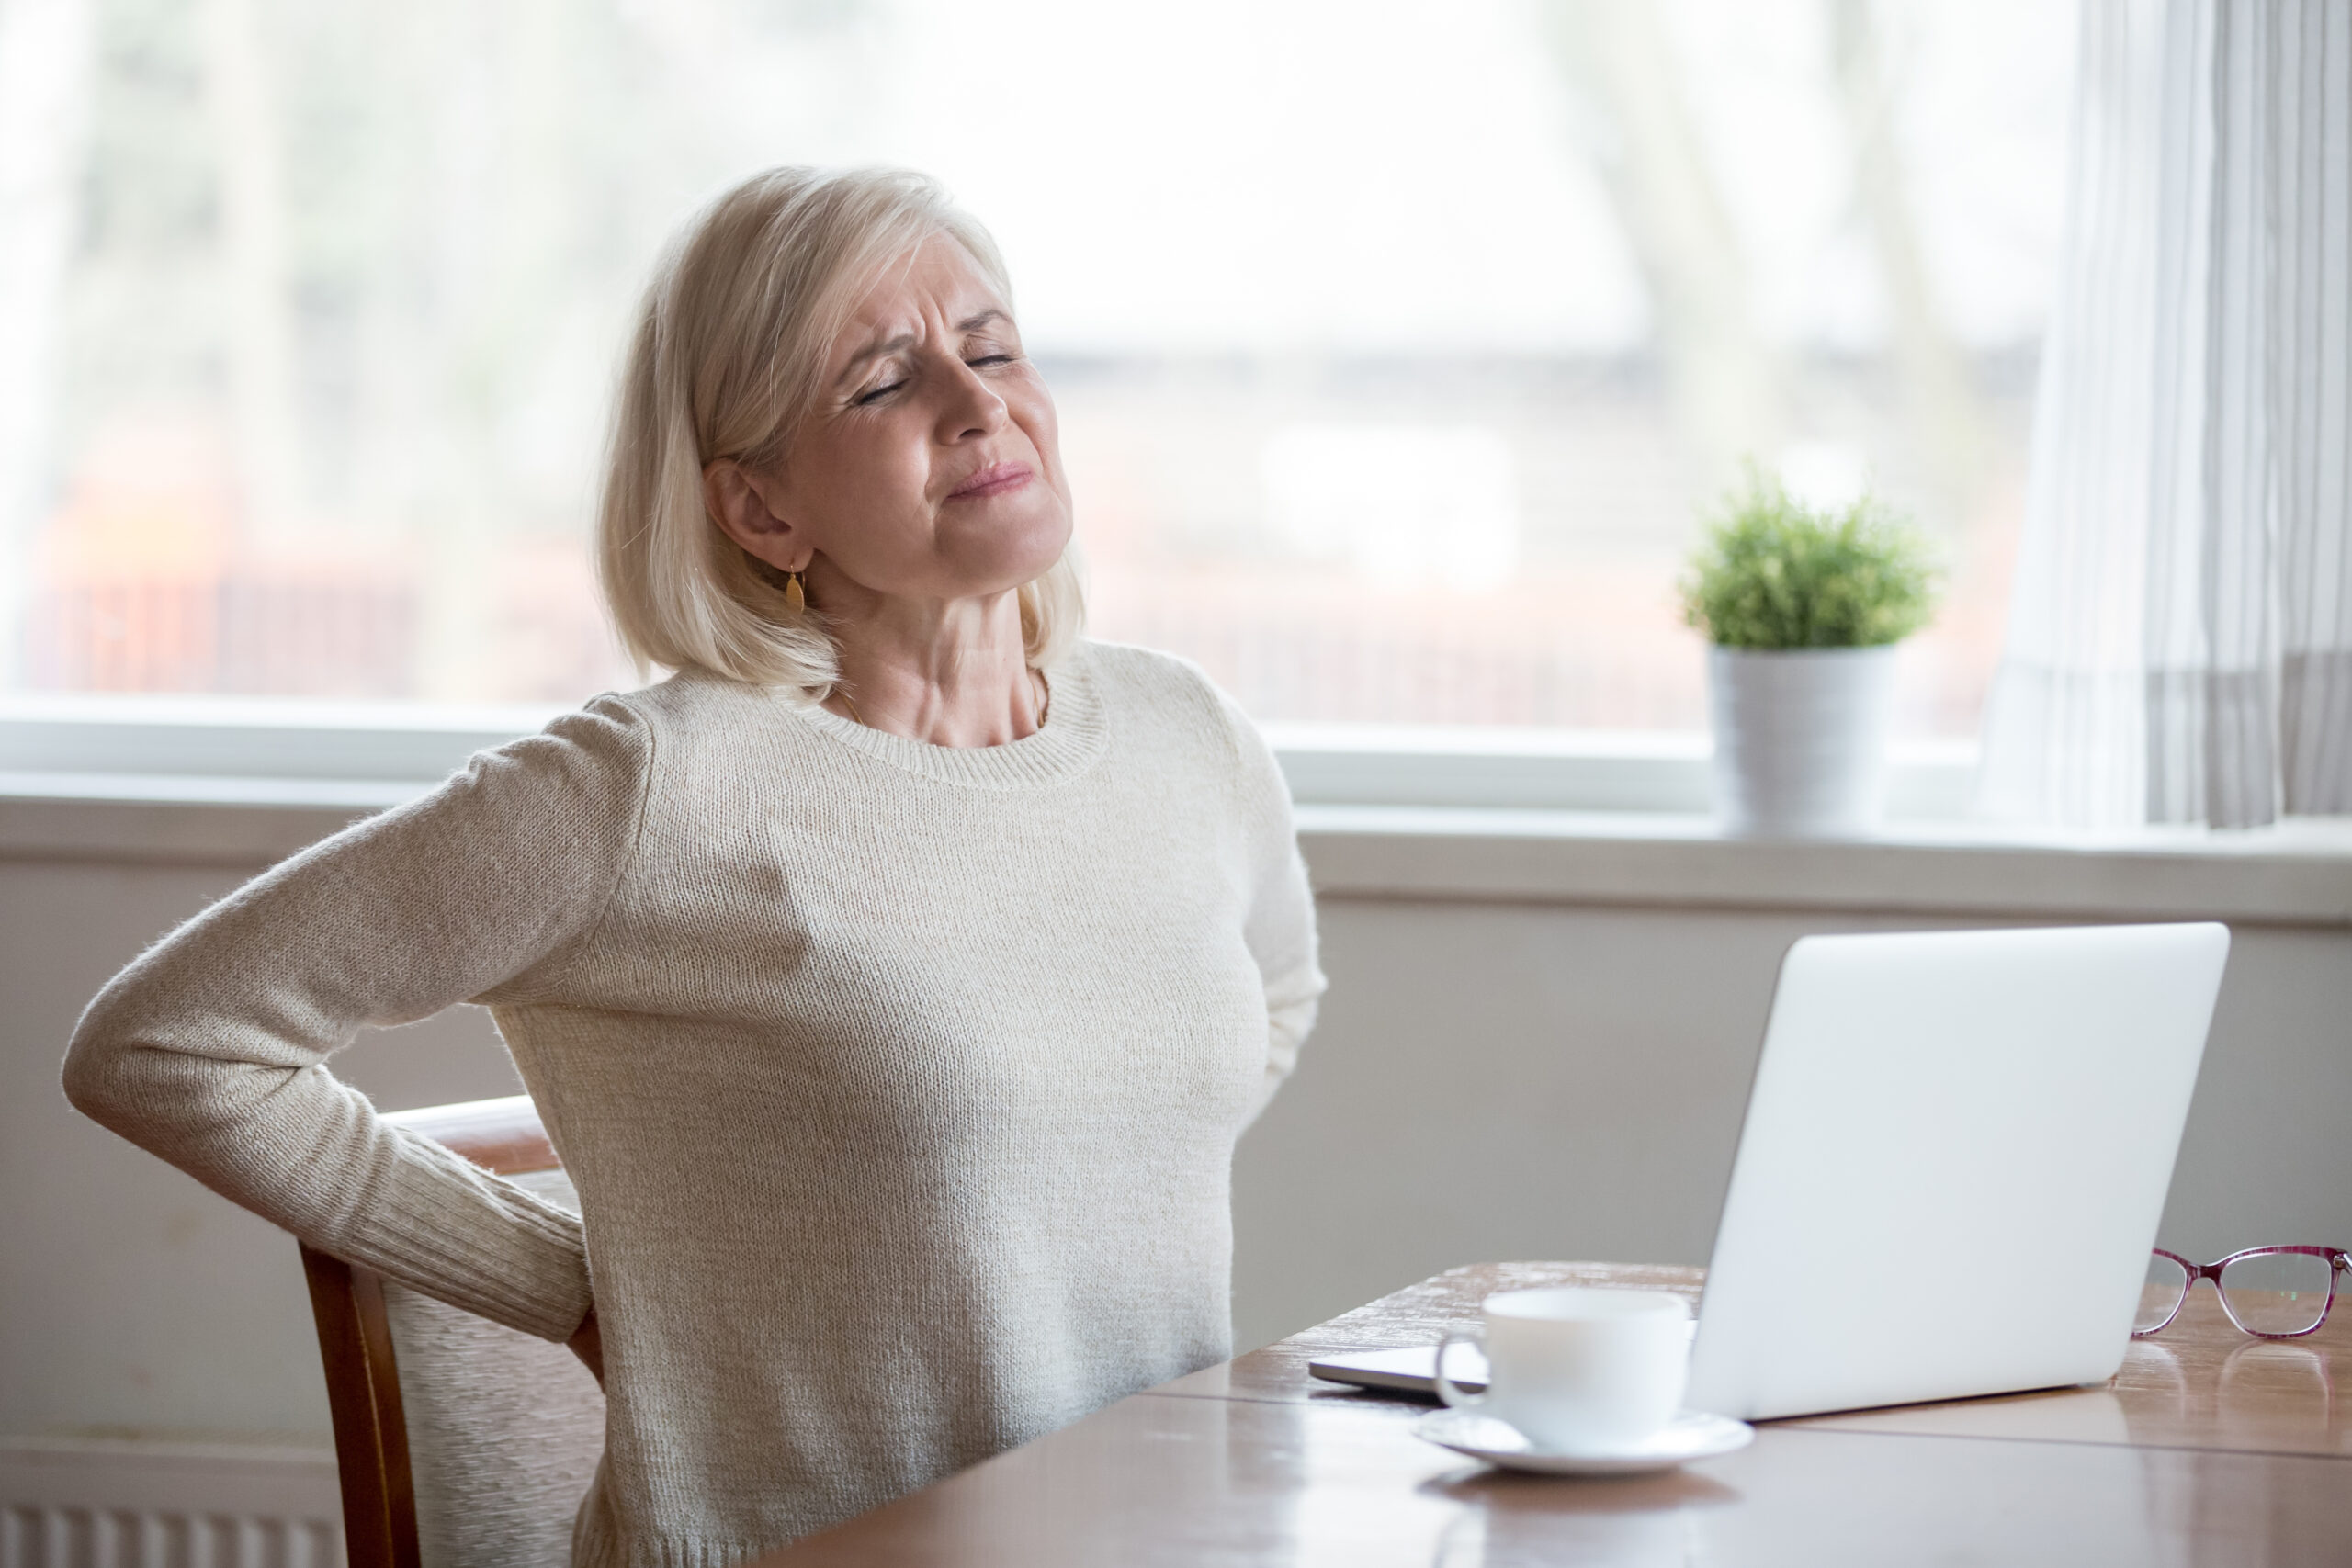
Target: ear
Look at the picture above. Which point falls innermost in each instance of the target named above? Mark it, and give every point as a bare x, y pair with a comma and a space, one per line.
738, 501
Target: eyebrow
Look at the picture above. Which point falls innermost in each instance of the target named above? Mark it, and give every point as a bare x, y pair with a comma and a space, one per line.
906, 340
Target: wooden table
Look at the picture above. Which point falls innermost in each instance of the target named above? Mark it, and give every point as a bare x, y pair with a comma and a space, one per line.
2208, 1447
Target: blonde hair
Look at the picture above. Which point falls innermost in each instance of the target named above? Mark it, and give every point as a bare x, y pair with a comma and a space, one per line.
727, 358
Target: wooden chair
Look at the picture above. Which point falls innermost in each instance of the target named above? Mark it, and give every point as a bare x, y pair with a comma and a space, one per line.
461, 1444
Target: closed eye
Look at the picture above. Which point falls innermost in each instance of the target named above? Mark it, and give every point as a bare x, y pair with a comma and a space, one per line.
878, 394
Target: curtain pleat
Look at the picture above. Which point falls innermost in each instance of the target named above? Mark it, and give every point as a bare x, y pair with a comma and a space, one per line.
2181, 639
2315, 674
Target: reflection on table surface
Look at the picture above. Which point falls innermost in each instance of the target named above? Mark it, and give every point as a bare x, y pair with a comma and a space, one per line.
2208, 1448
2200, 1384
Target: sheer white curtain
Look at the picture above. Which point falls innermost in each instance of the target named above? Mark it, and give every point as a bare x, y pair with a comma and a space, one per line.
2181, 639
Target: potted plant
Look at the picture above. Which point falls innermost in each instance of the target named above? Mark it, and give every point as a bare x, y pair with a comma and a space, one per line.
1802, 608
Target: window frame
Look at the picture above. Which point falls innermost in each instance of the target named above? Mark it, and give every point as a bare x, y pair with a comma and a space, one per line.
273, 751
1424, 817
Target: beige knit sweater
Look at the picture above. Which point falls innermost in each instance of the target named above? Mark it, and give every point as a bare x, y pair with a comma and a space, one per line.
899, 1083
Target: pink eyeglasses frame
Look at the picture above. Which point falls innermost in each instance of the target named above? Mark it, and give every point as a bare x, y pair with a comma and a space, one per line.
2338, 1262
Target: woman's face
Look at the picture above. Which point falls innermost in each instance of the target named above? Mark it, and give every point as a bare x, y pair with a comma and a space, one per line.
930, 467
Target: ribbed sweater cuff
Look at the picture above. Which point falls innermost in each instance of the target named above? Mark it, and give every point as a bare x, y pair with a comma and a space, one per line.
514, 1261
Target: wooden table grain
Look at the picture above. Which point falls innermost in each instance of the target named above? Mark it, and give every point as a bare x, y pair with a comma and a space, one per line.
2208, 1448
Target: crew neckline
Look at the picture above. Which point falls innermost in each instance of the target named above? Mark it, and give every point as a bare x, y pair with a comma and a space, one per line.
1068, 743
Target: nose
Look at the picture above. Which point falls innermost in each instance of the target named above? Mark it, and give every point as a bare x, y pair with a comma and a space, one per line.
972, 408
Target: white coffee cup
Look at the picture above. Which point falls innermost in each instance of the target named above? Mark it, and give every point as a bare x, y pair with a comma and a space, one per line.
1574, 1368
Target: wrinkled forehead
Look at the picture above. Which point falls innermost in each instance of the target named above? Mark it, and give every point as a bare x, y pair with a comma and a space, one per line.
933, 284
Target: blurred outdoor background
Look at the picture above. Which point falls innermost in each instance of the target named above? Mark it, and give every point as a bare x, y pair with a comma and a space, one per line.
1400, 347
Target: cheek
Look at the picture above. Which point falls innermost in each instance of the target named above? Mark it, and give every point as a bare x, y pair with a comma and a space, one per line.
1036, 417
861, 474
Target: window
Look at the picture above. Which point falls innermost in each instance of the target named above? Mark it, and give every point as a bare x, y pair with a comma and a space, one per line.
1397, 345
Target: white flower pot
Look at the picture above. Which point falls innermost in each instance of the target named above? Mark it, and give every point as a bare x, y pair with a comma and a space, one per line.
1800, 739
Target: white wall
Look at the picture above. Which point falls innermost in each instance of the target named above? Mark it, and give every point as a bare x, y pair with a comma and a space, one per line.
1534, 1078
133, 1302
1495, 1081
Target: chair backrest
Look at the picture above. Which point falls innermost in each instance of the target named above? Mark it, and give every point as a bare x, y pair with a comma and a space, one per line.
461, 1444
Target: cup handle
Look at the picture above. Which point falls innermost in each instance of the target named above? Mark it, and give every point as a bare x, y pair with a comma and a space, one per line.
1447, 1389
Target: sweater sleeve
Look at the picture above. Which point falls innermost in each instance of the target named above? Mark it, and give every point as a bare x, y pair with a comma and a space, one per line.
1281, 925
210, 1050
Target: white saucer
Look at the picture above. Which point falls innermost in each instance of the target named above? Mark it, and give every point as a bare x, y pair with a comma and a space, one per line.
1691, 1434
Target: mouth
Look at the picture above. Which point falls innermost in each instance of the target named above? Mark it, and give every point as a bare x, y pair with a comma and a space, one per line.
995, 479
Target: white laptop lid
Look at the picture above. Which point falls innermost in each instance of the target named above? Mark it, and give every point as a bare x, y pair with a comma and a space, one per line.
1956, 1154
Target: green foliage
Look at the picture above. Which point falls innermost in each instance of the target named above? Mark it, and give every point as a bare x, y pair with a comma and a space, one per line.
1777, 574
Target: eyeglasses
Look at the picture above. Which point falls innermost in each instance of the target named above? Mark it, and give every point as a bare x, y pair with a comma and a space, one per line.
2273, 1292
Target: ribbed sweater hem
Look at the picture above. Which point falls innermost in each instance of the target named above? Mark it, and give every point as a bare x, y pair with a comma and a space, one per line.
592, 1547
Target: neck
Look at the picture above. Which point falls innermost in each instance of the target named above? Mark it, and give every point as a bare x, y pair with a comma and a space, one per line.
946, 672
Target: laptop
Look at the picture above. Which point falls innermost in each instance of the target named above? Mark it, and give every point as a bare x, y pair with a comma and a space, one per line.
1957, 1150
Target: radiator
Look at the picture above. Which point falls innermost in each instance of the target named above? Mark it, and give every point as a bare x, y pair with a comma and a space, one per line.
92, 1504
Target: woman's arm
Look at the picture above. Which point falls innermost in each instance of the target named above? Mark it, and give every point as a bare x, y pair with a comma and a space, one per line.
211, 1049
1282, 936
1281, 925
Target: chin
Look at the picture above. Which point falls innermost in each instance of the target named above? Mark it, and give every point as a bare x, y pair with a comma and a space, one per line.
1007, 553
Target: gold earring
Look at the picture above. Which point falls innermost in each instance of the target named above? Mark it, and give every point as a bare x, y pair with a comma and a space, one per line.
793, 599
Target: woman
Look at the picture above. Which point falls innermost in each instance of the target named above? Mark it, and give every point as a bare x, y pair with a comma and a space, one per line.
894, 979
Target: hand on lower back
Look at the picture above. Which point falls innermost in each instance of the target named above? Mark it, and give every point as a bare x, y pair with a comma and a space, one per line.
588, 1345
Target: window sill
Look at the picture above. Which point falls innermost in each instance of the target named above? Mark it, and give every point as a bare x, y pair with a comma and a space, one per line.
2298, 873
1384, 813
1601, 771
